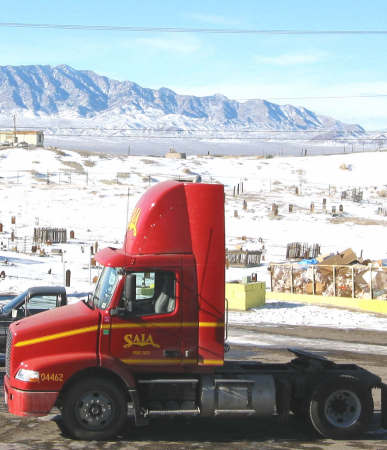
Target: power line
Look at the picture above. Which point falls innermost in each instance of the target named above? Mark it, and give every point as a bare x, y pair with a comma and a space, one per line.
208, 136
188, 30
221, 138
328, 97
177, 130
314, 97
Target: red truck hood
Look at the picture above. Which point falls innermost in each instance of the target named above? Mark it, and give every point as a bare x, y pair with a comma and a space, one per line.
71, 327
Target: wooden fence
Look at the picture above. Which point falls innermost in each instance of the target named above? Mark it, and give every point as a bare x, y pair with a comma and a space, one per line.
53, 235
356, 195
302, 250
243, 258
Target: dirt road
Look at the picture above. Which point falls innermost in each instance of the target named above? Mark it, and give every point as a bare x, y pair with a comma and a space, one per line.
43, 433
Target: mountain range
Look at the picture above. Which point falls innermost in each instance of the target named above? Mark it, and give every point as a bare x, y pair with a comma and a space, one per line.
62, 92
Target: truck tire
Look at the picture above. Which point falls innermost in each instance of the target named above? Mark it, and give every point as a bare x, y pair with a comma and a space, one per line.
341, 408
94, 409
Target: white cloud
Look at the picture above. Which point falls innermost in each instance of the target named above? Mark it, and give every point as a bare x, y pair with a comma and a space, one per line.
180, 44
290, 59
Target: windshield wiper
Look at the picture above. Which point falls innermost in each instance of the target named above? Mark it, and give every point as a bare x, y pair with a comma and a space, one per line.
86, 302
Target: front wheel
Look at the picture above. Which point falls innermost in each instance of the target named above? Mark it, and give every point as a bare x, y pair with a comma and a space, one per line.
341, 408
94, 409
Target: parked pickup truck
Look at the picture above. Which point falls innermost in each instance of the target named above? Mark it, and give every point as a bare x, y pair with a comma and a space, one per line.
32, 301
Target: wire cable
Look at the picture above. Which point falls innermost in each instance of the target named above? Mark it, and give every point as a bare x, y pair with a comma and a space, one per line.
171, 129
188, 30
222, 138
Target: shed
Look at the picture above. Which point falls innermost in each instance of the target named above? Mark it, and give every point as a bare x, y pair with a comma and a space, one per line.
174, 154
30, 137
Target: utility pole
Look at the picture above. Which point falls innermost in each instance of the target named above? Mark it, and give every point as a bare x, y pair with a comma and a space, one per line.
14, 129
129, 150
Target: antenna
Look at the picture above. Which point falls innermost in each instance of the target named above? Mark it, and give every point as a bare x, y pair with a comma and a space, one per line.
127, 211
14, 129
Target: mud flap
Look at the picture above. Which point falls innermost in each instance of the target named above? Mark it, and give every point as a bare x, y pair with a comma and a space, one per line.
384, 406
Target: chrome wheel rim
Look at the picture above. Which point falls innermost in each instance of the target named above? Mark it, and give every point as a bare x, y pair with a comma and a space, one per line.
342, 408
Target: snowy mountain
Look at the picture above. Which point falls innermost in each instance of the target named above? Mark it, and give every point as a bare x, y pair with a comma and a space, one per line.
61, 92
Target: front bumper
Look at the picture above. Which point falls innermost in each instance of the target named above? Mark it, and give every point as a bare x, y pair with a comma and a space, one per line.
28, 403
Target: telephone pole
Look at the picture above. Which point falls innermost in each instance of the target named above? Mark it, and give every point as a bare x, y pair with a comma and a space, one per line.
14, 129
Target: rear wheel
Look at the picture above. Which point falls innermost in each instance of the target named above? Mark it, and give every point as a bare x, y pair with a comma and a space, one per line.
341, 408
94, 409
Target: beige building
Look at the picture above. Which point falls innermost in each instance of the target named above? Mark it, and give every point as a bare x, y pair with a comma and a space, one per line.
33, 138
175, 155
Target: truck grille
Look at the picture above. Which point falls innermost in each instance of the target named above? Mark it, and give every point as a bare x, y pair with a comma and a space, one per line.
8, 352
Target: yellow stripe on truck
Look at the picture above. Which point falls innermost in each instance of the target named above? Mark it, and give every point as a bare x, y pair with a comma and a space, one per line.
162, 325
116, 326
52, 337
212, 362
64, 334
160, 361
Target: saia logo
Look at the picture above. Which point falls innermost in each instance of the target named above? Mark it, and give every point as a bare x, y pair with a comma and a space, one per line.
133, 221
140, 340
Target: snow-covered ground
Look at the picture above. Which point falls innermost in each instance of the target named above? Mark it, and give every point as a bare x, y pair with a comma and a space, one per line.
93, 193
279, 313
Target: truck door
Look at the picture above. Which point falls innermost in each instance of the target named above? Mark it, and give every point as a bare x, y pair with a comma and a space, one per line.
147, 329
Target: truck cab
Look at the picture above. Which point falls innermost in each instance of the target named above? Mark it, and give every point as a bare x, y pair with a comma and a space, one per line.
150, 339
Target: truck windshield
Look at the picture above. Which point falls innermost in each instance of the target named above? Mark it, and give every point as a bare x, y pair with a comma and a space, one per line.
106, 285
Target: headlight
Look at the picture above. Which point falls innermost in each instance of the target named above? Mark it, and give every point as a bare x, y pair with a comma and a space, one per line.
31, 376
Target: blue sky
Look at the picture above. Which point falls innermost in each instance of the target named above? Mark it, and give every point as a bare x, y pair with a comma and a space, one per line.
276, 67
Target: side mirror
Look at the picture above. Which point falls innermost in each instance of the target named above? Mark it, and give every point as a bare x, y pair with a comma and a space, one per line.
129, 291
119, 312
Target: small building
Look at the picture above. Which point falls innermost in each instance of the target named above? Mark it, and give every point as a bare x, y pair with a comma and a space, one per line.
175, 155
18, 137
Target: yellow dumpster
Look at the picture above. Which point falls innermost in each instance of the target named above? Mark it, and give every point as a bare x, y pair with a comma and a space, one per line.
243, 296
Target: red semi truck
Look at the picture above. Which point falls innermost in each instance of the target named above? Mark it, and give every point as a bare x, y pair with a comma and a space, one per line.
150, 339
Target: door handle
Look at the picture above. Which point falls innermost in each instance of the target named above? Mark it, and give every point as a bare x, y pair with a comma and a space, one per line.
170, 353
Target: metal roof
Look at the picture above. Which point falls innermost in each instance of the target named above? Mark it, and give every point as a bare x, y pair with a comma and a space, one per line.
12, 133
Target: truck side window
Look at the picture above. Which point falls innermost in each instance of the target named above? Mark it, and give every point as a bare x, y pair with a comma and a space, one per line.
155, 293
